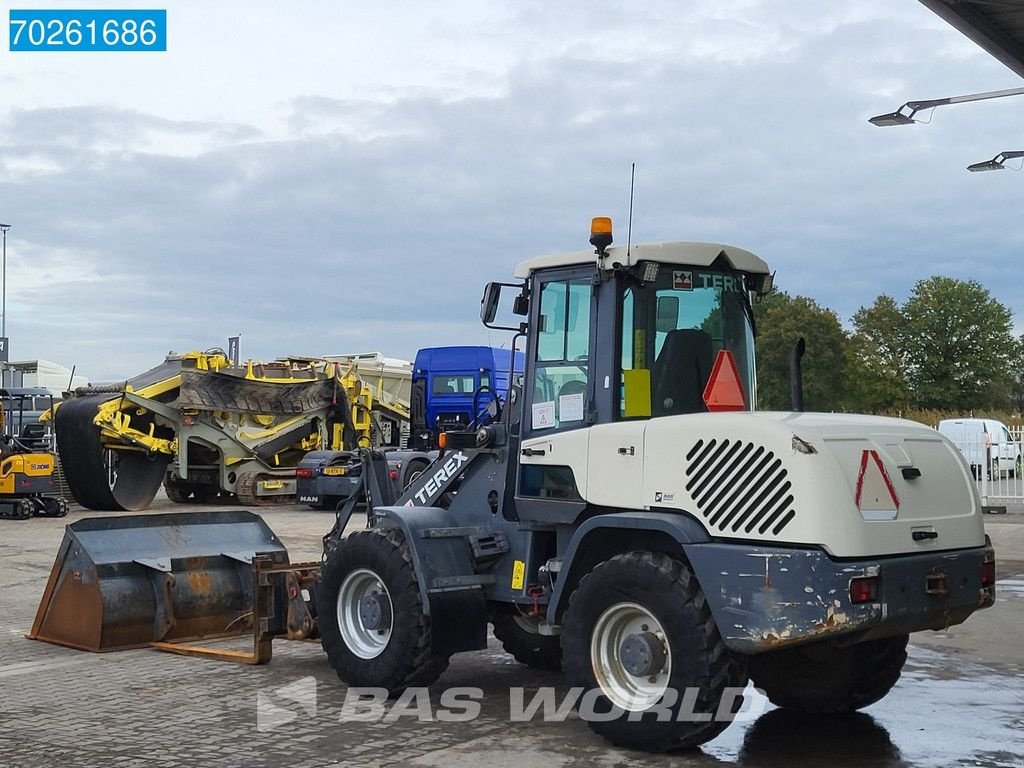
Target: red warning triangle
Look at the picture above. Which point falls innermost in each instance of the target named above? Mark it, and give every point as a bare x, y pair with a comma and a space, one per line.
874, 488
724, 391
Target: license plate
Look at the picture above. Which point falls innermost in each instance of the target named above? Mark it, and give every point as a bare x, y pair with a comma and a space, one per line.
334, 471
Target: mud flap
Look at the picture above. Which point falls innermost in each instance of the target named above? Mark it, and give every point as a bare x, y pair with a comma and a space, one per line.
458, 621
127, 582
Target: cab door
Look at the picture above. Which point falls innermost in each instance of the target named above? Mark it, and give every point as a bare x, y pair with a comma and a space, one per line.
559, 388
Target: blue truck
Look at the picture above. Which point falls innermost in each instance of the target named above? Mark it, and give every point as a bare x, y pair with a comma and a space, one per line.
451, 389
451, 385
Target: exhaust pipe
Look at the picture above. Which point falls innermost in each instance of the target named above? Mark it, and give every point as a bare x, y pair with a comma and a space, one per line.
796, 375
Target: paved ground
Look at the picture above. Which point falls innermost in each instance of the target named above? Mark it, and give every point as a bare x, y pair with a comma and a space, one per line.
959, 703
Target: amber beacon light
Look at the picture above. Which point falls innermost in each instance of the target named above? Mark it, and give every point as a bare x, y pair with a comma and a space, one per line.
601, 233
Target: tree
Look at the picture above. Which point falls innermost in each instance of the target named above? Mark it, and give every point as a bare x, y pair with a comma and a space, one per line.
781, 320
959, 345
1017, 375
877, 373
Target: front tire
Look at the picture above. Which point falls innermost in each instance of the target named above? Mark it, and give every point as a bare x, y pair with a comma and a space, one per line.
520, 637
372, 624
826, 678
638, 629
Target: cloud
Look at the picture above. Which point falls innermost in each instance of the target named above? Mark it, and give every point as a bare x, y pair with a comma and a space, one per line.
372, 223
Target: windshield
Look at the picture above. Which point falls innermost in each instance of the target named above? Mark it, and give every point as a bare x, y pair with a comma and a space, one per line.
673, 331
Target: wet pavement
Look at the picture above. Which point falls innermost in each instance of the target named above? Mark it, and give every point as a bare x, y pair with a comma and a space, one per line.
959, 703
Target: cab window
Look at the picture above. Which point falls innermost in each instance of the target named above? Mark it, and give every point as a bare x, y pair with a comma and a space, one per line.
673, 330
559, 387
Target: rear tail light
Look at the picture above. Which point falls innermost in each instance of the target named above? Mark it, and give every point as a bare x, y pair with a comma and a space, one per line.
988, 573
303, 472
864, 589
393, 474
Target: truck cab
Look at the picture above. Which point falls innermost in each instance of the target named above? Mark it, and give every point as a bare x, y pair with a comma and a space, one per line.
450, 385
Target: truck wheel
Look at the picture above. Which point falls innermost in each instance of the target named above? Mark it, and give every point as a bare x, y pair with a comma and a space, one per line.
638, 630
414, 470
372, 624
827, 678
520, 637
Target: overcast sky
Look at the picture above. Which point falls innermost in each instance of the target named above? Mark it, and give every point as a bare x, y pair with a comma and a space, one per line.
339, 177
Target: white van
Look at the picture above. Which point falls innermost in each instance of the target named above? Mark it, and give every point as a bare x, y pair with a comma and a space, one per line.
984, 442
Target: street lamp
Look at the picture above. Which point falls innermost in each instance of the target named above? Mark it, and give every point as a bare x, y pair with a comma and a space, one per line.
997, 163
3, 309
905, 114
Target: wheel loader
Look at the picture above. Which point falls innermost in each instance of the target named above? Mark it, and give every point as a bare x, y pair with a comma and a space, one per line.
632, 519
626, 515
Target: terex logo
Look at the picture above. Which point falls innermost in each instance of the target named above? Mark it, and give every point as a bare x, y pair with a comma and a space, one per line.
439, 478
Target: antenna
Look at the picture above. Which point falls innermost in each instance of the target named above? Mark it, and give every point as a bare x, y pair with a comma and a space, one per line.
629, 226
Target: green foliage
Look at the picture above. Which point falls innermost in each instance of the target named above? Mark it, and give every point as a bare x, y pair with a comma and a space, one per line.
947, 351
782, 319
959, 345
877, 366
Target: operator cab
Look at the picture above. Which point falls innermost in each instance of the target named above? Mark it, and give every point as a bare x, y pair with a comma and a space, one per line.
636, 332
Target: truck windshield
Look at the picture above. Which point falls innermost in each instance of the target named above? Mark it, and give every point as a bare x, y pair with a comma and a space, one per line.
453, 384
674, 330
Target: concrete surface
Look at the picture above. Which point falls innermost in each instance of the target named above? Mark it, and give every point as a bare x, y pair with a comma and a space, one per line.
960, 701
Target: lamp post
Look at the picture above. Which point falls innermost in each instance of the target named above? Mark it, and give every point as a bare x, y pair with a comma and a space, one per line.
997, 163
905, 114
3, 291
4, 349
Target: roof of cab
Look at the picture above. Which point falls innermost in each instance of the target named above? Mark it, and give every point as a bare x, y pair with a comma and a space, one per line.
688, 254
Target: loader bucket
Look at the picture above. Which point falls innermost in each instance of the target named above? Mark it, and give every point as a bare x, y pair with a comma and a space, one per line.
126, 582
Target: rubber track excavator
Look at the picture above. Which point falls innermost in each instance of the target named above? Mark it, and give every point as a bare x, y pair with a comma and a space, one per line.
209, 430
26, 462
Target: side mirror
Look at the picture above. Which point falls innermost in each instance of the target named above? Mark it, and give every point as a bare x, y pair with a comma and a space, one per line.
668, 313
489, 302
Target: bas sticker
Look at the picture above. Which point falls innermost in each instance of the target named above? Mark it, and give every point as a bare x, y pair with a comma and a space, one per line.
663, 497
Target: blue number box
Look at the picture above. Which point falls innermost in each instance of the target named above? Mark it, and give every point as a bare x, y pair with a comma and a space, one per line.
88, 30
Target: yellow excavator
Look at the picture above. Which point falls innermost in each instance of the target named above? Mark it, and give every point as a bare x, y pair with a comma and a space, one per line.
26, 462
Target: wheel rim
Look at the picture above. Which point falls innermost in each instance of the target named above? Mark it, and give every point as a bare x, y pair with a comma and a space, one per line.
365, 642
627, 691
414, 475
526, 624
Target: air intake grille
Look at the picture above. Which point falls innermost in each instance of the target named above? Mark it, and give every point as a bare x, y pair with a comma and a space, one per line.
739, 487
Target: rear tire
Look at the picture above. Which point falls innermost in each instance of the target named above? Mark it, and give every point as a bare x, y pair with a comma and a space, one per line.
519, 636
414, 470
826, 678
648, 597
393, 652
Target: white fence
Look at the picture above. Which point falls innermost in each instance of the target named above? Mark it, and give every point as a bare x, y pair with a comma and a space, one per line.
996, 466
